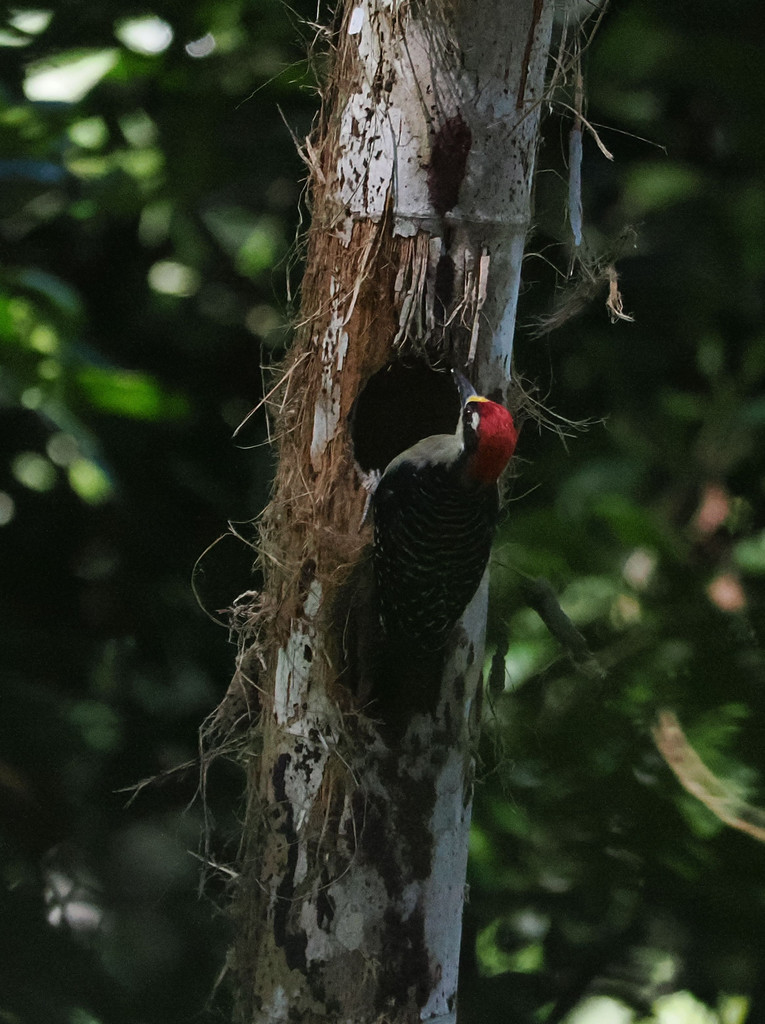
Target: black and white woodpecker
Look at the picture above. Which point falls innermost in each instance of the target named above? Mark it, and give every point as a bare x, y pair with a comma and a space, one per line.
435, 513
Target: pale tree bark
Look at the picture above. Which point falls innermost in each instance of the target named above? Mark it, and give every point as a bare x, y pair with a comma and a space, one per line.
350, 895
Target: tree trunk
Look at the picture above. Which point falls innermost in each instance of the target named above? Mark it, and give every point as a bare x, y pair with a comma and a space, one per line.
352, 878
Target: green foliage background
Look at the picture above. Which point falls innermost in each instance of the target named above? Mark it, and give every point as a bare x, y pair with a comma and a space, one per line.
147, 228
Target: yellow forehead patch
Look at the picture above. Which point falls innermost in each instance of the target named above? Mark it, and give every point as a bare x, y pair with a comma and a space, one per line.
477, 398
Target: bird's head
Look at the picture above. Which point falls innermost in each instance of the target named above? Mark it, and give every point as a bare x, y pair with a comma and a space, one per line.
488, 433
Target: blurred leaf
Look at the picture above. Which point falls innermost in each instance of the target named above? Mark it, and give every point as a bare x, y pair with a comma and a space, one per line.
733, 1009
89, 481
683, 406
683, 1008
32, 21
61, 296
261, 248
588, 598
90, 132
68, 77
526, 657
34, 471
753, 412
493, 959
97, 723
634, 525
603, 1010
128, 393
655, 186
148, 35
169, 277
80, 1016
749, 554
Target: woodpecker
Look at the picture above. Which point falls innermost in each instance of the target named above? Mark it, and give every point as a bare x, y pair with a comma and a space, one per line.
435, 512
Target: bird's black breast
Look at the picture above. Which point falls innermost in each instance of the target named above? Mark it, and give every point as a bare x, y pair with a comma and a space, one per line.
432, 539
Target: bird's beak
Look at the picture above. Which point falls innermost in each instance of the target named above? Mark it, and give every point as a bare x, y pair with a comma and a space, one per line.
464, 387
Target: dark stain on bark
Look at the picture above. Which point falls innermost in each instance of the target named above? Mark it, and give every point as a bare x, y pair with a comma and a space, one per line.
391, 830
446, 171
448, 720
293, 943
376, 838
411, 801
459, 688
332, 1010
478, 703
307, 756
325, 905
448, 160
416, 805
535, 17
406, 973
306, 578
498, 669
278, 778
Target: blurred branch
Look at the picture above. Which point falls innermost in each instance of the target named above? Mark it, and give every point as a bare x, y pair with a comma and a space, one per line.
699, 781
540, 596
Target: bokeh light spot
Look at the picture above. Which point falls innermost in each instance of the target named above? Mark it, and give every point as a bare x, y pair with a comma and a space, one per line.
148, 36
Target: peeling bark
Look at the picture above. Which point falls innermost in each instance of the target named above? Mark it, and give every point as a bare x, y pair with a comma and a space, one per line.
355, 836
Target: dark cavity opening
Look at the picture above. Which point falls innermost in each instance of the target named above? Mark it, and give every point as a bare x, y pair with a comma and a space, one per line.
400, 405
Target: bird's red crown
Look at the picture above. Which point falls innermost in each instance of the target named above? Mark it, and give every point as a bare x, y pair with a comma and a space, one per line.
497, 437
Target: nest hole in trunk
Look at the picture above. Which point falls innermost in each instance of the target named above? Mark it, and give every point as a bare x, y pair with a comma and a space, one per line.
400, 404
